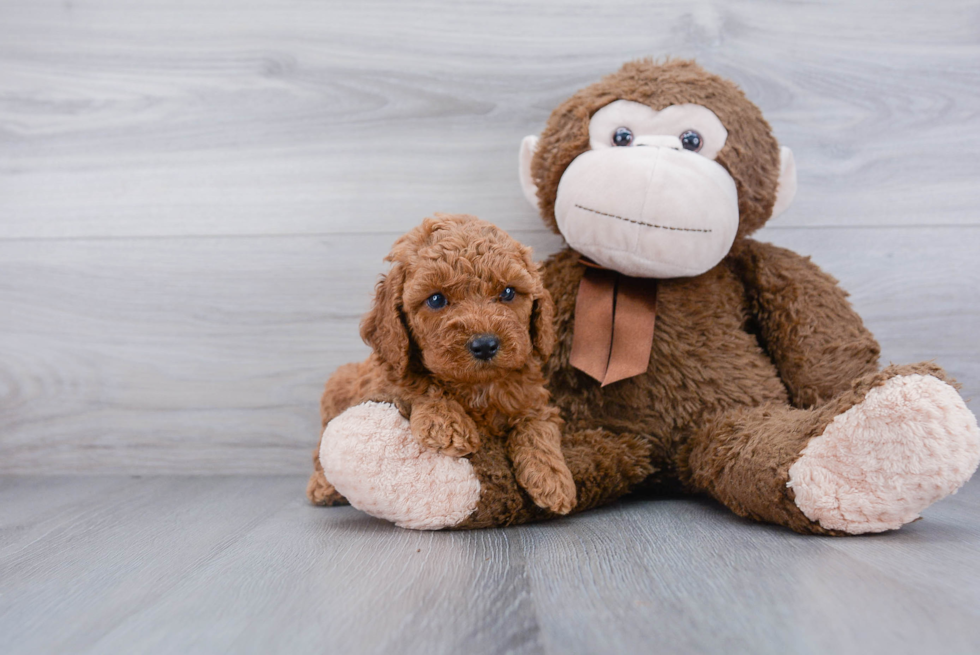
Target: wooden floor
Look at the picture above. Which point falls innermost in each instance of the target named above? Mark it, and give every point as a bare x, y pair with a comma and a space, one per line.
243, 565
195, 199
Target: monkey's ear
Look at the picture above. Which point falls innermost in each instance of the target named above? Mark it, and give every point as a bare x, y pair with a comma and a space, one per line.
543, 325
383, 327
528, 146
786, 188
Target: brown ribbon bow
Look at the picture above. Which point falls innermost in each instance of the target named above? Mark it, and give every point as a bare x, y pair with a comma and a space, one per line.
614, 321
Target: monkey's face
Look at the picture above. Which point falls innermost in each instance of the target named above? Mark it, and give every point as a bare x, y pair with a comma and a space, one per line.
647, 199
662, 187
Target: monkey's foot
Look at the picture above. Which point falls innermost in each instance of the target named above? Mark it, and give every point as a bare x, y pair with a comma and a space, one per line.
322, 493
910, 442
369, 454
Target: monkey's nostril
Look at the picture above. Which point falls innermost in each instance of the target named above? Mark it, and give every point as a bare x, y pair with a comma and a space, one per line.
484, 346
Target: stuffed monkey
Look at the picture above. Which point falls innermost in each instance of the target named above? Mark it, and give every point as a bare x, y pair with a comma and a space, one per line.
689, 356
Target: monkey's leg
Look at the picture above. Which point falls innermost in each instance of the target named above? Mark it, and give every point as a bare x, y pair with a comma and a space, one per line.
604, 465
371, 456
869, 460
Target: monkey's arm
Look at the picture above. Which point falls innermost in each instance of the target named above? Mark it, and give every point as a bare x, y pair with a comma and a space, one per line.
442, 424
815, 338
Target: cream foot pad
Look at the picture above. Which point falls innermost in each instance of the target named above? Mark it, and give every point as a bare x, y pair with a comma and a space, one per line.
369, 454
909, 443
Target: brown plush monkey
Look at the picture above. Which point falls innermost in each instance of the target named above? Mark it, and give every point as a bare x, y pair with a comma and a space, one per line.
688, 355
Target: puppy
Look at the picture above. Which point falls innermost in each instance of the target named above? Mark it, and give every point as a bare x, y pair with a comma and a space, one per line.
459, 329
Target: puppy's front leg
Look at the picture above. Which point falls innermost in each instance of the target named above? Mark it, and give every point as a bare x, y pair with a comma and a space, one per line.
442, 424
534, 446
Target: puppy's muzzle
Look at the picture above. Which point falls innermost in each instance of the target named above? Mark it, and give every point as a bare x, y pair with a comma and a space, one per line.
484, 346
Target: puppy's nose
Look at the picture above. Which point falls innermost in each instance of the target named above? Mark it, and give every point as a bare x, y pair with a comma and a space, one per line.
484, 346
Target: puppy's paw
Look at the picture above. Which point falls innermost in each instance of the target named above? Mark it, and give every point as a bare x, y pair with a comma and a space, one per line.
548, 482
452, 433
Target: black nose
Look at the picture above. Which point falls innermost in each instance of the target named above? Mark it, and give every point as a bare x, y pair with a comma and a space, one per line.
484, 346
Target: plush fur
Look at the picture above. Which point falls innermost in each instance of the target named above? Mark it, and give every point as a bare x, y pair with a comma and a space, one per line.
907, 444
750, 361
422, 362
763, 388
391, 476
750, 155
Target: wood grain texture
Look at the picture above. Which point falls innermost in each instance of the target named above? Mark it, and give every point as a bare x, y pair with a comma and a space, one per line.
300, 117
194, 202
196, 355
195, 198
244, 565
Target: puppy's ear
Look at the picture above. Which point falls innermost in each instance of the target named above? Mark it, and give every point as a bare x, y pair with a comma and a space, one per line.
543, 325
383, 327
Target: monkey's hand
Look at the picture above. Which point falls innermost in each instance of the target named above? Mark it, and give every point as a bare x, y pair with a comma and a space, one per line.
535, 450
443, 425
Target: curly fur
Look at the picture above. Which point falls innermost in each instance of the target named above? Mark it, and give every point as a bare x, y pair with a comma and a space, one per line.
421, 360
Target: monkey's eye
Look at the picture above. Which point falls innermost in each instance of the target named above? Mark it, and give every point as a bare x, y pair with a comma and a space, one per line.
623, 136
436, 301
508, 294
692, 141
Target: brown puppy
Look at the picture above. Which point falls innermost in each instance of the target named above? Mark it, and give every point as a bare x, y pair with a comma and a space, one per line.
460, 327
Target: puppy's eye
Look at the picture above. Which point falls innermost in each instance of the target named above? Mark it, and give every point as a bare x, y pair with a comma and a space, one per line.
508, 294
436, 301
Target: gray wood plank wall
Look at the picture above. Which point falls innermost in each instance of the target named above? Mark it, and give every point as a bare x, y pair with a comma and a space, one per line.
195, 197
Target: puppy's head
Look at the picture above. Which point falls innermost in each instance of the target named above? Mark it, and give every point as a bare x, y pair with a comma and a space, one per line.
463, 301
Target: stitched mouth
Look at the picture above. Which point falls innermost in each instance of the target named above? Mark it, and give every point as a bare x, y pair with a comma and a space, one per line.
630, 220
